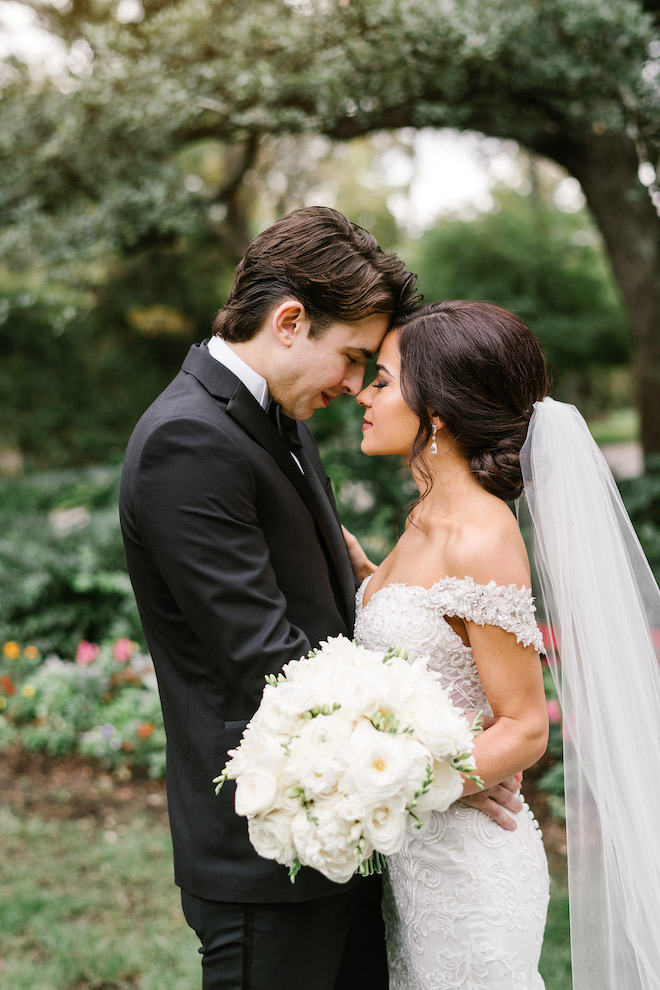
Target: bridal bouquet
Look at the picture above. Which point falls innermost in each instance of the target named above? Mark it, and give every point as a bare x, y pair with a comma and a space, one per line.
347, 748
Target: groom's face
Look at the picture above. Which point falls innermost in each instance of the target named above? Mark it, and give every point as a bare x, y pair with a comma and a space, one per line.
317, 370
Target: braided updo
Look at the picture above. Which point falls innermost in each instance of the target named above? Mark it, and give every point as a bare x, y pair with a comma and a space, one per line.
479, 369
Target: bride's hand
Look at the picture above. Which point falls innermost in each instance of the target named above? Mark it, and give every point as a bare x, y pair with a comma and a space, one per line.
498, 801
362, 566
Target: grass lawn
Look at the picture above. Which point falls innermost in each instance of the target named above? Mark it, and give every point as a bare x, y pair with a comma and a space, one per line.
90, 905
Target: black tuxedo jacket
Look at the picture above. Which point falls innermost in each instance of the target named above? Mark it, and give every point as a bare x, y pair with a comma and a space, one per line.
238, 565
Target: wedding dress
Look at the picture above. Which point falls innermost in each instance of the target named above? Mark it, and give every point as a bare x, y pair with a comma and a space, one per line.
465, 901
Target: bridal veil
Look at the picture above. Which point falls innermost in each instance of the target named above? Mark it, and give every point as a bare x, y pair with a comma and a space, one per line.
603, 606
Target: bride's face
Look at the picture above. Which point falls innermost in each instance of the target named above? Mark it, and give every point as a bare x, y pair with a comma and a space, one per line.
389, 426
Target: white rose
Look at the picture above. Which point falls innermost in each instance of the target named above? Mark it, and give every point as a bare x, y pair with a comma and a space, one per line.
446, 788
444, 730
384, 825
256, 792
271, 837
383, 764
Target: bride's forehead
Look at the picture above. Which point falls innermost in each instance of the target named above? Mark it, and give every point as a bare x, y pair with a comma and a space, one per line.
389, 351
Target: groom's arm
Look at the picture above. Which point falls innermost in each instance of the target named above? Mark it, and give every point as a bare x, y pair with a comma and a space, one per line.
197, 521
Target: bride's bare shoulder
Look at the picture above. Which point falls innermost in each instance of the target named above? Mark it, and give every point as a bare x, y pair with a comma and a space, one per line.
490, 547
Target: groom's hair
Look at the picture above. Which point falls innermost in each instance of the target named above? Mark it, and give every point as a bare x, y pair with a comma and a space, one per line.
333, 267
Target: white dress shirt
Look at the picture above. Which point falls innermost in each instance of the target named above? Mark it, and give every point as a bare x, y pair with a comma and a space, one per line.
258, 386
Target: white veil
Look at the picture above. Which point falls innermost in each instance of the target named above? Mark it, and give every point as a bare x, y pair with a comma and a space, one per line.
603, 604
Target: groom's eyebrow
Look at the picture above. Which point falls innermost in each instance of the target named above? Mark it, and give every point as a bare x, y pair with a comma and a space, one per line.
361, 352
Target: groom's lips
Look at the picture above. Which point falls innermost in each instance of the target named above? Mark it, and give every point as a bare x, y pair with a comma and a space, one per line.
326, 399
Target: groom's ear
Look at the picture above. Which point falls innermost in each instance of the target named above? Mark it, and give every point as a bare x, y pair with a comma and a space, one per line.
289, 321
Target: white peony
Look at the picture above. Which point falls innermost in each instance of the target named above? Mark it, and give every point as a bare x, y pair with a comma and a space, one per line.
317, 756
327, 843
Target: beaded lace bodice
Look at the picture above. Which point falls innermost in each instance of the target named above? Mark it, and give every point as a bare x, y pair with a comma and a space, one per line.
412, 616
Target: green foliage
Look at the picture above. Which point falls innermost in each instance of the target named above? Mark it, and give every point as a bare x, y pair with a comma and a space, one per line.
62, 568
641, 497
96, 173
546, 266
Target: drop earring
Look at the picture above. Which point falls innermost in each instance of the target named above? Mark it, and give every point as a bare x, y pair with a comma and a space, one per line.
434, 446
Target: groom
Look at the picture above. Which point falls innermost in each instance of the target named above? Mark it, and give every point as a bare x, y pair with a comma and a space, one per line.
238, 565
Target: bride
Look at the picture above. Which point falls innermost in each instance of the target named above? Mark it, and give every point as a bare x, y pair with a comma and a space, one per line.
465, 901
461, 394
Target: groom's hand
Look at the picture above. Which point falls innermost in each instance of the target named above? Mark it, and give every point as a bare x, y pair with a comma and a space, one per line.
362, 566
498, 801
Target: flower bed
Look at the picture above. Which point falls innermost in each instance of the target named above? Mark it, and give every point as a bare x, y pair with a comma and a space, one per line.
103, 703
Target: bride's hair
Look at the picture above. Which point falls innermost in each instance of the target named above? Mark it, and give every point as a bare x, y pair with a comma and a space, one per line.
479, 369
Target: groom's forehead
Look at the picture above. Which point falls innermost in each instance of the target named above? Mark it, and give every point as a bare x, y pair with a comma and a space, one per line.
361, 339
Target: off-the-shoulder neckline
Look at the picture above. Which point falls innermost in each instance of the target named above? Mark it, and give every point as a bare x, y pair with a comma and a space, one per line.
448, 579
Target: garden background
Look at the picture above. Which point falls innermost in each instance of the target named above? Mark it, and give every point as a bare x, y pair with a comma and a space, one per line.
143, 143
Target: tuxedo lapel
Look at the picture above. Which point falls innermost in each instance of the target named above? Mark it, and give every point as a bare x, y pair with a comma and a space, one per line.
345, 589
245, 410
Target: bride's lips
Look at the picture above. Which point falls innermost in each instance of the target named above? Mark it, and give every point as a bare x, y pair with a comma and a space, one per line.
366, 425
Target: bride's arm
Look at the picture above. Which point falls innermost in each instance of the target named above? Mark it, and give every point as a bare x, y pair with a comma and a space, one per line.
512, 680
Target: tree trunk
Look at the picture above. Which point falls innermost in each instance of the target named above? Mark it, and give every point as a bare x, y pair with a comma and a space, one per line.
606, 168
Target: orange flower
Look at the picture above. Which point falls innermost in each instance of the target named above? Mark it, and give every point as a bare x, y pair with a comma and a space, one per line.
31, 652
7, 685
11, 650
127, 746
145, 730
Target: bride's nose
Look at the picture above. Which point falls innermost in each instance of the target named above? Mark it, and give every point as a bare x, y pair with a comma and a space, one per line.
361, 398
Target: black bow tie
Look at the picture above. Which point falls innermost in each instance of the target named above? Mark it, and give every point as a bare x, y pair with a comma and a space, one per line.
286, 427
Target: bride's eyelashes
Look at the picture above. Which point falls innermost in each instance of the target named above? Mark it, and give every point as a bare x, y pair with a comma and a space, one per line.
378, 384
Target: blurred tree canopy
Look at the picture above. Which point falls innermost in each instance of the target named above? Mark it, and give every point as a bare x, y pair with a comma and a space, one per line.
548, 267
143, 145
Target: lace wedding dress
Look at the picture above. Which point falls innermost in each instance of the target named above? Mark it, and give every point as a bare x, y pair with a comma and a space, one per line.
464, 900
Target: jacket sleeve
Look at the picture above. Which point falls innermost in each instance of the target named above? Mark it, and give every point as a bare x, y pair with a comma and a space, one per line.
195, 513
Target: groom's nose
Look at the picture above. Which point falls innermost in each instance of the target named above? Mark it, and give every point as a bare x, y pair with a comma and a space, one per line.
352, 381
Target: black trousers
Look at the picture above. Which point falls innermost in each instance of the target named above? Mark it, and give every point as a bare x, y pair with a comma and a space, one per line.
330, 943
